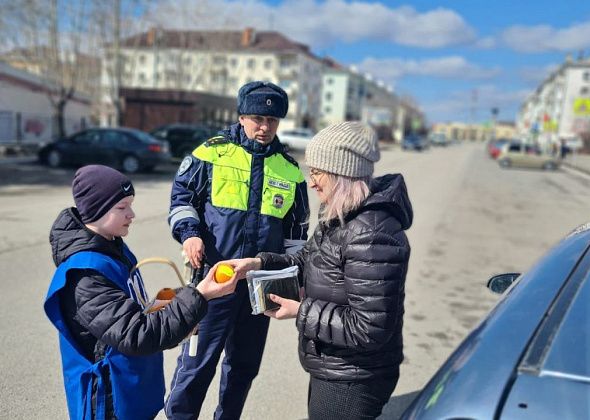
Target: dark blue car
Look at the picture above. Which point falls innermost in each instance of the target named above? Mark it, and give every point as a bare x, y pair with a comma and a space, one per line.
414, 142
125, 148
530, 357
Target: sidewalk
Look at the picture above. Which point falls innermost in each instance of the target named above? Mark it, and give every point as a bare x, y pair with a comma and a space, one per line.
581, 162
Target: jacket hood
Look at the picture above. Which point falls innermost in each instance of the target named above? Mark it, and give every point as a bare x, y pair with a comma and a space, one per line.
389, 192
69, 235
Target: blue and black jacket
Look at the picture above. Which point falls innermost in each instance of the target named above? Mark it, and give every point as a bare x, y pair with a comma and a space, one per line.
240, 197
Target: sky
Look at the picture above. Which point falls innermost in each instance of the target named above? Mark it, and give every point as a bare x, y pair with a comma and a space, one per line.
457, 59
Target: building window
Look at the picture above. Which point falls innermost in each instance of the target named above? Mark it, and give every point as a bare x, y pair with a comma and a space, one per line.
584, 91
328, 96
268, 64
329, 80
233, 62
142, 59
586, 76
286, 62
187, 61
142, 77
327, 109
251, 64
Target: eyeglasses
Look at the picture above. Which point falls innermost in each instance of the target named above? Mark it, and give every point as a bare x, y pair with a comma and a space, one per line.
314, 174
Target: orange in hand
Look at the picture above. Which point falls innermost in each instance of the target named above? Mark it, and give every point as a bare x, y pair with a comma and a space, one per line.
223, 273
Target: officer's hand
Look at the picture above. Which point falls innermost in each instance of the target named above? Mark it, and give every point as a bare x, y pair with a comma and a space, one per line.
194, 248
243, 265
210, 289
289, 308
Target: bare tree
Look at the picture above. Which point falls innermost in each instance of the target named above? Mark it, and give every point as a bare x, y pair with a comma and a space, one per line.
52, 39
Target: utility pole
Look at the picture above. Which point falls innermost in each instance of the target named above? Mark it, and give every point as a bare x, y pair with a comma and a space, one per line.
495, 112
117, 57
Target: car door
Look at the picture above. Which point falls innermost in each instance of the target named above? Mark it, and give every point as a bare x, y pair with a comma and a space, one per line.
82, 149
516, 154
553, 378
113, 144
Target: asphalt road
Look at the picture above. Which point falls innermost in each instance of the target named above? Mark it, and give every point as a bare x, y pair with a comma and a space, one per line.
472, 220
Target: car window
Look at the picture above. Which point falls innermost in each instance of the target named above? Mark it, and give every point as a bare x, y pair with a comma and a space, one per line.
86, 137
113, 138
514, 148
570, 349
180, 134
161, 134
141, 136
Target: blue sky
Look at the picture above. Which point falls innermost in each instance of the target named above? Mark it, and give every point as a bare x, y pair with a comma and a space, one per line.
458, 59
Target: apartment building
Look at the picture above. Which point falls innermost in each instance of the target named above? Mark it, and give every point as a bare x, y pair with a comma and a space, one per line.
560, 106
349, 95
219, 62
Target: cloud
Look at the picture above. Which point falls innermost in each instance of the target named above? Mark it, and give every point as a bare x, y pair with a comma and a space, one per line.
544, 38
535, 75
460, 105
486, 43
451, 67
322, 23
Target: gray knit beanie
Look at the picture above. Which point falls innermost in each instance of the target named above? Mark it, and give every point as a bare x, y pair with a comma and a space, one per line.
349, 148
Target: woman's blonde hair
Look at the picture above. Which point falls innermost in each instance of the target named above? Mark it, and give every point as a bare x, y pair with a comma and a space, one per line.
347, 195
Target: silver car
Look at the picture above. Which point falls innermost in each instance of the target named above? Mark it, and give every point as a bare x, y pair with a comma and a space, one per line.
530, 357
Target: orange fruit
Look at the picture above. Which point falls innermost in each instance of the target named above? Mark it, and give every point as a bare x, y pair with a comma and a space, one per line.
223, 273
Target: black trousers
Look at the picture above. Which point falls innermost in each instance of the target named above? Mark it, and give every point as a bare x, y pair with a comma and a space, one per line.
361, 400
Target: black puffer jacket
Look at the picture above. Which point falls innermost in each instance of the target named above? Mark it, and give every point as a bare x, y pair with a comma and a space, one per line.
98, 313
350, 321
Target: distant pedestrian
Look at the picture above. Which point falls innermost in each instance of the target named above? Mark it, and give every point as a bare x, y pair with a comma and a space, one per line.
111, 350
353, 272
564, 149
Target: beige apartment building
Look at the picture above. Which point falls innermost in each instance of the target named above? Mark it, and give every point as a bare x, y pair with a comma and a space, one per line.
219, 62
475, 132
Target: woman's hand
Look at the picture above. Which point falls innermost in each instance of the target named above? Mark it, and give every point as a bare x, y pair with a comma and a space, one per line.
243, 265
210, 289
288, 309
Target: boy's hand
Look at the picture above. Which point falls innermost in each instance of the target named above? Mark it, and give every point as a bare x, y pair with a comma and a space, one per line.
210, 289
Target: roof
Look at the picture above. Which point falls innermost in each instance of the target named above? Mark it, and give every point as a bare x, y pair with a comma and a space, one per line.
246, 40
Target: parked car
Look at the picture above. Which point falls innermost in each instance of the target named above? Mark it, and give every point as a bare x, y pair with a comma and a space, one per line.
126, 148
495, 147
523, 155
439, 139
528, 359
414, 142
184, 138
295, 138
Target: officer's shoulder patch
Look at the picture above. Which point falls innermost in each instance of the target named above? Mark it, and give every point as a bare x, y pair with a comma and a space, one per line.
214, 141
185, 165
290, 158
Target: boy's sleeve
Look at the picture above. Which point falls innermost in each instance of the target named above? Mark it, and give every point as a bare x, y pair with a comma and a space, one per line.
118, 321
296, 221
189, 191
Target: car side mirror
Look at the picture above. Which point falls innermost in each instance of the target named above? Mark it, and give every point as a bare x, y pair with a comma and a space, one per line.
501, 282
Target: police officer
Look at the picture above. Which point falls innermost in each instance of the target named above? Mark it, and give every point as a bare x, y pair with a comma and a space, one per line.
237, 195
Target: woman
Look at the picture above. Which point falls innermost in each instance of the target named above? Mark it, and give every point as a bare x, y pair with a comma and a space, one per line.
353, 273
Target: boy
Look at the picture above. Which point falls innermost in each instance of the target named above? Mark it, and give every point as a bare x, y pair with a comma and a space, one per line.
111, 350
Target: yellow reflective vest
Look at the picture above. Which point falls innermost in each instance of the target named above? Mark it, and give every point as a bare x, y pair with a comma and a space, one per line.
230, 182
